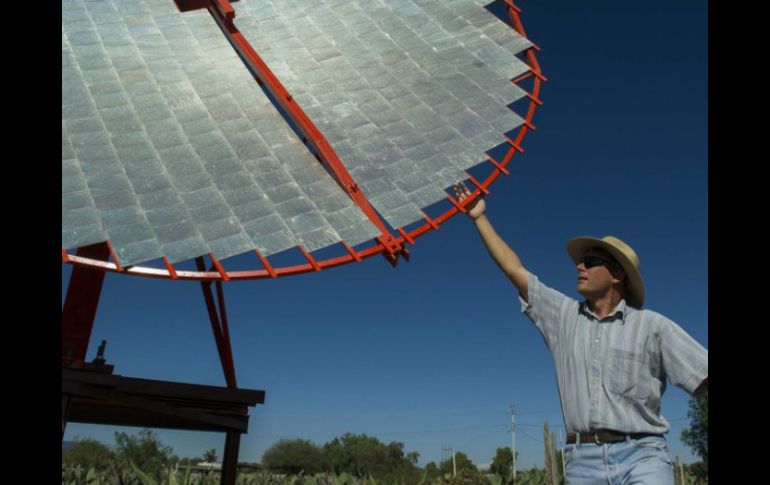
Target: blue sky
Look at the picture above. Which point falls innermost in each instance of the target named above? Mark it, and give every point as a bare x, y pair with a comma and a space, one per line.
434, 352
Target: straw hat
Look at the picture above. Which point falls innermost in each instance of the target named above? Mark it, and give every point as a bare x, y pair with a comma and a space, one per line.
623, 254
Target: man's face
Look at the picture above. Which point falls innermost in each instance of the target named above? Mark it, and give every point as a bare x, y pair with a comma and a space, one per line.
596, 280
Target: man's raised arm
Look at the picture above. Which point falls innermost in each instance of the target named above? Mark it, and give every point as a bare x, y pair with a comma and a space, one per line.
501, 253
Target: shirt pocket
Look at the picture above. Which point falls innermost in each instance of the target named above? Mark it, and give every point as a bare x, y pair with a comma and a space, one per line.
628, 374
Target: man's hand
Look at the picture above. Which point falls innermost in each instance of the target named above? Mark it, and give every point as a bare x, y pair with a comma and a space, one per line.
501, 253
476, 208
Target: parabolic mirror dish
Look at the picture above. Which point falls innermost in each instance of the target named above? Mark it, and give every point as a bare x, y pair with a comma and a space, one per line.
171, 149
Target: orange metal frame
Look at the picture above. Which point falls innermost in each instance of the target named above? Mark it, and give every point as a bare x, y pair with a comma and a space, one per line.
387, 244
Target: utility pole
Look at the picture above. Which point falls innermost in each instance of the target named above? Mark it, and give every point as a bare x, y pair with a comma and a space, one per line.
554, 465
547, 454
513, 443
679, 471
445, 451
563, 449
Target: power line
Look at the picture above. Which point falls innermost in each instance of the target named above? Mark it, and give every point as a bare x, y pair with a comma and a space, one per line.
513, 442
386, 433
368, 415
530, 436
444, 430
539, 425
562, 426
519, 426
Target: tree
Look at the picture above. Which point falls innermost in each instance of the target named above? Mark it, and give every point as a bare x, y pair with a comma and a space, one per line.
698, 470
461, 460
697, 435
432, 472
210, 456
413, 457
533, 476
88, 453
363, 455
293, 456
467, 473
502, 463
144, 450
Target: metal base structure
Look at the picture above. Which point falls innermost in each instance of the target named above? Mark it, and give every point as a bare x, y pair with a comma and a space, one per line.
92, 394
95, 397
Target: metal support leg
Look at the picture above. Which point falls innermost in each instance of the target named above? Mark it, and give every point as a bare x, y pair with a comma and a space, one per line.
230, 461
65, 411
77, 318
219, 326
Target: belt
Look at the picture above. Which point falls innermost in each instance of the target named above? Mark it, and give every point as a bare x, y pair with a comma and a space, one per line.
604, 436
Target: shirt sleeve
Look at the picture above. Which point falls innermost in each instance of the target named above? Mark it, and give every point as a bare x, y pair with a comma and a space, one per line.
544, 307
685, 361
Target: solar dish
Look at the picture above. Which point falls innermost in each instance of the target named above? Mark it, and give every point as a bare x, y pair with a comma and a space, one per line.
266, 126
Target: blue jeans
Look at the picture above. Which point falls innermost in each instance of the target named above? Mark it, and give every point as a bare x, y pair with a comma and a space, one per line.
633, 462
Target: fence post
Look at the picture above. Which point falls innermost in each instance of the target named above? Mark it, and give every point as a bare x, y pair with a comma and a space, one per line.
554, 465
547, 450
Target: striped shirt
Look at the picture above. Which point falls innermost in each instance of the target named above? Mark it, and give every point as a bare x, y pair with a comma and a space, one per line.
611, 372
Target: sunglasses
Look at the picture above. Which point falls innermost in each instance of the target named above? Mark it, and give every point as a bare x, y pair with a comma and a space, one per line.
591, 261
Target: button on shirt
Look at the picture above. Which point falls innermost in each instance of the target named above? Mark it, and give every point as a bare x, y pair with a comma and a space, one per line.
611, 372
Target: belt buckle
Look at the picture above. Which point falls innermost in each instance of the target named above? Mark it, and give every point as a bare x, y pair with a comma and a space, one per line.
596, 439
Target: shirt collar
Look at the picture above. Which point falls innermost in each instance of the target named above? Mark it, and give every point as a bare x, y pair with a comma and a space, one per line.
619, 313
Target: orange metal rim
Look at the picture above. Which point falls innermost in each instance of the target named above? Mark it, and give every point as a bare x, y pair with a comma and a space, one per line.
350, 254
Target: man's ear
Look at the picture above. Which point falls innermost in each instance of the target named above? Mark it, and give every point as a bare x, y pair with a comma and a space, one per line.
619, 275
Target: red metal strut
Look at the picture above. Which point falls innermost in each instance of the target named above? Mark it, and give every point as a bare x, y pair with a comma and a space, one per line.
224, 14
219, 325
79, 311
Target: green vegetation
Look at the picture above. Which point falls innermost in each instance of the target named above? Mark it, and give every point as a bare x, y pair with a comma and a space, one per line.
364, 456
347, 460
502, 464
88, 453
293, 456
144, 451
697, 435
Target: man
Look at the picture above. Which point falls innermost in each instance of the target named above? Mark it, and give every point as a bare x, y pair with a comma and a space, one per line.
612, 358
